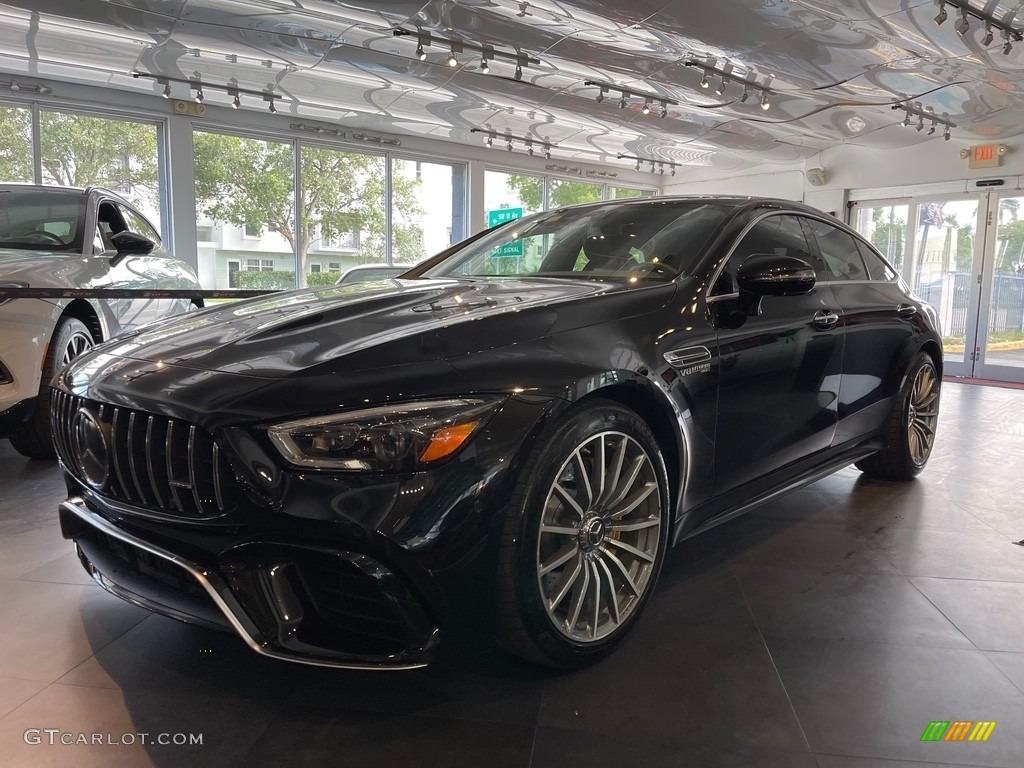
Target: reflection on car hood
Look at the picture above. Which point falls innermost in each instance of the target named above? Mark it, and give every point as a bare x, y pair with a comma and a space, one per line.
414, 320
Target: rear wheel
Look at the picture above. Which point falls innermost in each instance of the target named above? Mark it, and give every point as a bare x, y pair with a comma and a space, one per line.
70, 339
585, 538
911, 426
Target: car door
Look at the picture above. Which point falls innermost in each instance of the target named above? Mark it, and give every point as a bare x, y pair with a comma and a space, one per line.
134, 272
779, 368
878, 320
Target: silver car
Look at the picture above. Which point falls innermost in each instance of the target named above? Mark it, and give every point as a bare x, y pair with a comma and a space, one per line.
59, 237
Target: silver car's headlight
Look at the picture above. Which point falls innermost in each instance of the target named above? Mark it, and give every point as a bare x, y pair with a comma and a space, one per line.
403, 437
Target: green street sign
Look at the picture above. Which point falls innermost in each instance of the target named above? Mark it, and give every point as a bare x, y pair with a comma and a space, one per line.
500, 216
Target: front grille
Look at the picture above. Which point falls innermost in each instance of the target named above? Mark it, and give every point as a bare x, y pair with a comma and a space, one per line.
162, 464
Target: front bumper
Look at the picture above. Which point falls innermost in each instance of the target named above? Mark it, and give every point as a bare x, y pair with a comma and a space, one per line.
325, 607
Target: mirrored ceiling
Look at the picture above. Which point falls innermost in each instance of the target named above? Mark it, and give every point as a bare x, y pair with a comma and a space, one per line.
729, 84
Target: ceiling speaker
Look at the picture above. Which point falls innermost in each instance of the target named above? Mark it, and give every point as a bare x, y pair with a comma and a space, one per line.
816, 176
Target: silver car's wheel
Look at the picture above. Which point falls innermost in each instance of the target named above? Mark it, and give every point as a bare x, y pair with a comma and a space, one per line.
584, 538
599, 536
71, 338
922, 414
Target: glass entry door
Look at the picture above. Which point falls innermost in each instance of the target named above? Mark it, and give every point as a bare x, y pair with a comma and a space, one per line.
1000, 348
964, 255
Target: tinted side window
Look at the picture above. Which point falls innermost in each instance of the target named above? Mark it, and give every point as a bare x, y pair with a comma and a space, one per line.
839, 252
877, 268
139, 225
781, 235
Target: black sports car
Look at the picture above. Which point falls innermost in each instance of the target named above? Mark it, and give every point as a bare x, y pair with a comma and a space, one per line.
521, 424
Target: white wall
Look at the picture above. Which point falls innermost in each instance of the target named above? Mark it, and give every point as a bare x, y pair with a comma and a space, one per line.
786, 182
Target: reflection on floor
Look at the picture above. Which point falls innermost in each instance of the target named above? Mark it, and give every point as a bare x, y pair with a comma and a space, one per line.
826, 629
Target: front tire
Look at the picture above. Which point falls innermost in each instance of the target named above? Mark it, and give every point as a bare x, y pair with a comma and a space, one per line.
585, 538
910, 429
71, 338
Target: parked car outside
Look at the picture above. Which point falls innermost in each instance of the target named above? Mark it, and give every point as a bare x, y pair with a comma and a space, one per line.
519, 427
364, 273
59, 237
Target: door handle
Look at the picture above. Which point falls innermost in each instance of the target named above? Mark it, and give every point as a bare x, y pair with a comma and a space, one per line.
680, 358
825, 319
906, 310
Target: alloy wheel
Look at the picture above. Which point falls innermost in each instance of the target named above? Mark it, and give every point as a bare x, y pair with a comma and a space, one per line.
922, 414
79, 342
599, 536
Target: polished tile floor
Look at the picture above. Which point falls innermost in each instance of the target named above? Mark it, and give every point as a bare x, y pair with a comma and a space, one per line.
826, 629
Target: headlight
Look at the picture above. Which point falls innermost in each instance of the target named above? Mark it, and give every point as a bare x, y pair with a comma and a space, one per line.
404, 437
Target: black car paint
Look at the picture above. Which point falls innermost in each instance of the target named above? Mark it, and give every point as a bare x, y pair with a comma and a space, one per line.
729, 428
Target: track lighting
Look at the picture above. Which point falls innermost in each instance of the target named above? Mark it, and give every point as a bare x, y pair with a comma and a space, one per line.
194, 83
987, 39
765, 104
913, 109
199, 94
746, 95
1007, 45
236, 102
963, 24
942, 15
729, 74
272, 108
721, 89
167, 91
656, 165
528, 142
488, 53
625, 94
704, 82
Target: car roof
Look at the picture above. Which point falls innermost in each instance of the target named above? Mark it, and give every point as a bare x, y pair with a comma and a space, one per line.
56, 188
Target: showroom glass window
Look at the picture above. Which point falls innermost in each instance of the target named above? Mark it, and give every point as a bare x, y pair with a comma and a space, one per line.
885, 226
628, 193
121, 155
839, 252
343, 204
15, 144
428, 208
510, 191
244, 185
562, 192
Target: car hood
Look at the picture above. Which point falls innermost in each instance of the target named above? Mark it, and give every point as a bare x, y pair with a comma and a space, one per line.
380, 324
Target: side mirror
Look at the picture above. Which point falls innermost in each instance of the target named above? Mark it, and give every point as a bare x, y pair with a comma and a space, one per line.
765, 274
130, 244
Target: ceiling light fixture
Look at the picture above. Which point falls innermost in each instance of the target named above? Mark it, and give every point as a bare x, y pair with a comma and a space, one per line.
914, 109
963, 24
230, 88
488, 53
529, 142
625, 94
984, 15
655, 164
729, 75
236, 102
272, 107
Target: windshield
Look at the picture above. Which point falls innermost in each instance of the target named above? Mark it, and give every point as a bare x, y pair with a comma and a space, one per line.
41, 220
655, 240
